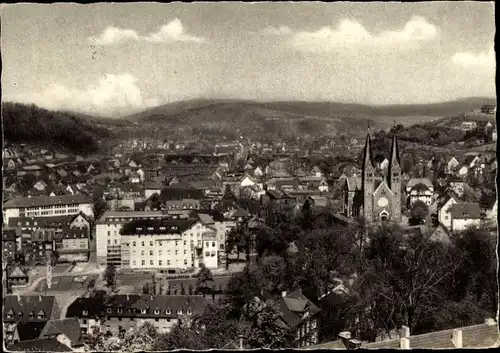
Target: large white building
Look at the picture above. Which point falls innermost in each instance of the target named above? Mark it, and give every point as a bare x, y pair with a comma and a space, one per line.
444, 214
48, 206
465, 215
168, 244
157, 240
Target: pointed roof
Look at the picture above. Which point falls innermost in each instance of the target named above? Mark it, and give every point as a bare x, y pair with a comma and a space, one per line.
394, 151
367, 157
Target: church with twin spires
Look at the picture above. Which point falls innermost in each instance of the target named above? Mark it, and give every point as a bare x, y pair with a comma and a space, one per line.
376, 195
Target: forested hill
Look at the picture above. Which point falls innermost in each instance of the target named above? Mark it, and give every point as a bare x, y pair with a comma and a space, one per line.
31, 124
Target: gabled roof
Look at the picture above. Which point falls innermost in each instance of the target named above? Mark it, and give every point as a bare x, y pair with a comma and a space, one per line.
29, 303
17, 272
465, 211
293, 307
69, 327
29, 330
414, 181
39, 345
46, 201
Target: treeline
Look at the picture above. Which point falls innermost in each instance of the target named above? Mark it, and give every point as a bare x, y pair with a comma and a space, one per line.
31, 124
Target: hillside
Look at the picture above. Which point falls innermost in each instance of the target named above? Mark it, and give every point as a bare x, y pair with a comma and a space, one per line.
31, 124
291, 118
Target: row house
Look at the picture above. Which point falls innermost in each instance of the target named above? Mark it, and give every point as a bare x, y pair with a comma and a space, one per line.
119, 313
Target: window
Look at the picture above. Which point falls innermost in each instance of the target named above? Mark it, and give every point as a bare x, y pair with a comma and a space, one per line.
133, 243
207, 244
116, 241
207, 254
176, 243
151, 262
168, 262
185, 262
222, 246
159, 243
109, 233
143, 262
133, 262
109, 241
131, 319
150, 243
143, 311
142, 252
157, 311
185, 252
189, 312
142, 243
168, 312
179, 312
119, 310
108, 310
160, 262
213, 244
150, 252
185, 242
176, 252
159, 252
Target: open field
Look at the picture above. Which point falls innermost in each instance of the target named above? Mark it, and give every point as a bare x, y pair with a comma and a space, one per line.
66, 283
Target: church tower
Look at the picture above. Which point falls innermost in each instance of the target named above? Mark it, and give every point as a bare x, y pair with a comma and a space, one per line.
394, 178
368, 181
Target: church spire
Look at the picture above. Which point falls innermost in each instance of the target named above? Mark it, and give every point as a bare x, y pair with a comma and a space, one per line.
394, 152
367, 157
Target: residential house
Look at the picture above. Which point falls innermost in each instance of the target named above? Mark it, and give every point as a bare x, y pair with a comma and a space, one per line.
316, 171
72, 244
39, 345
30, 308
452, 164
66, 332
9, 245
152, 188
464, 215
441, 234
469, 125
458, 186
301, 317
134, 177
488, 109
122, 312
444, 213
420, 189
283, 184
16, 276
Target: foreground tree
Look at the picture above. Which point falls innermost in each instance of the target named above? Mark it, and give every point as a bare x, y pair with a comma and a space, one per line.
205, 281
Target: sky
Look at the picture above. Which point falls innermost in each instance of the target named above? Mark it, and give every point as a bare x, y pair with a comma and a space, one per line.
116, 59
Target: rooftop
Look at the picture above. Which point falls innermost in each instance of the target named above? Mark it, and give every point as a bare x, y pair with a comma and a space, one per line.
46, 201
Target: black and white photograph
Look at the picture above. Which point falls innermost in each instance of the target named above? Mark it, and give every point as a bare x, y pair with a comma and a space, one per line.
239, 176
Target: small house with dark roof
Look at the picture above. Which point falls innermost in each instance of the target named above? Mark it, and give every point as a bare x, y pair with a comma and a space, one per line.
65, 331
16, 276
9, 244
464, 215
301, 317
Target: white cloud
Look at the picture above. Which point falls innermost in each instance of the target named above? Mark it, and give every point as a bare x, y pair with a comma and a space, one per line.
112, 94
277, 31
482, 63
112, 35
349, 33
171, 32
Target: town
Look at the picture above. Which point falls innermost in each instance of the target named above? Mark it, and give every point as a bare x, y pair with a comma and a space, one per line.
230, 224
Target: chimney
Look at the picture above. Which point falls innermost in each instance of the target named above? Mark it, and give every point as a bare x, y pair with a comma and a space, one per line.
456, 338
40, 298
490, 322
241, 341
128, 297
405, 332
283, 294
404, 343
18, 295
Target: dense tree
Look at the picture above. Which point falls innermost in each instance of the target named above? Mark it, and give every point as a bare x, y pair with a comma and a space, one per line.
418, 212
205, 281
110, 275
242, 287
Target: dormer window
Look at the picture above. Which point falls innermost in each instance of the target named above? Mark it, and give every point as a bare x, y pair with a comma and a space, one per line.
19, 314
157, 312
84, 312
41, 315
31, 315
179, 312
150, 228
108, 310
189, 312
168, 312
138, 229
119, 310
143, 311
163, 228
